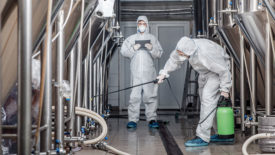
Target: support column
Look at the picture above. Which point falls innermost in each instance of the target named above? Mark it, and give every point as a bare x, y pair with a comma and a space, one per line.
24, 76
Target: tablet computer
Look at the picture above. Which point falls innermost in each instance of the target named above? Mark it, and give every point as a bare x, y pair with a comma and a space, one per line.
142, 43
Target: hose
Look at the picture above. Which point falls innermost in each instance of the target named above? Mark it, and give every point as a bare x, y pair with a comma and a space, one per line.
207, 115
114, 150
145, 83
96, 117
172, 92
252, 138
102, 122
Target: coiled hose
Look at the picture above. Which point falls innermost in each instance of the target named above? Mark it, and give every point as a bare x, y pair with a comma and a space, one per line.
102, 122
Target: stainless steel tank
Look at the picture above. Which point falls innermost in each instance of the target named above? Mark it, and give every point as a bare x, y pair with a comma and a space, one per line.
254, 21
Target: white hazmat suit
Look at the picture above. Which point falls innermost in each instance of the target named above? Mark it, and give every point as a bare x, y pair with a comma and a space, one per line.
142, 70
213, 65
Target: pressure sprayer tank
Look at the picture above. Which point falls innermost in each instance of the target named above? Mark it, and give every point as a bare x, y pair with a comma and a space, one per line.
225, 119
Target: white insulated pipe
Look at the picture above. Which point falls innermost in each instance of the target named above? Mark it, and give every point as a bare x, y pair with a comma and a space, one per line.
255, 137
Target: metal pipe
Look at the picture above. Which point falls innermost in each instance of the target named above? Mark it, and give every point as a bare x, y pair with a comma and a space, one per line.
85, 96
14, 126
212, 17
164, 10
40, 129
79, 68
197, 15
241, 6
215, 14
67, 119
47, 153
53, 15
253, 7
24, 76
59, 110
74, 139
268, 74
104, 81
242, 71
252, 94
79, 91
253, 104
204, 20
156, 13
95, 87
91, 90
36, 54
8, 136
242, 81
46, 137
233, 74
207, 18
9, 126
270, 8
118, 10
118, 80
70, 126
90, 68
220, 15
253, 87
33, 131
229, 5
102, 47
75, 36
101, 83
101, 73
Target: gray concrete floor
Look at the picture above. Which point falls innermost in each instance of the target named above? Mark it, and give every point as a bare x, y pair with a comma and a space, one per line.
143, 141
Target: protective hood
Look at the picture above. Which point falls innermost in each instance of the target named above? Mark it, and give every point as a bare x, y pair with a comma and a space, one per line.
145, 19
187, 46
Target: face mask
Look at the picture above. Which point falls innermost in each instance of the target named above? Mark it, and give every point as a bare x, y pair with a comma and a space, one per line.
142, 28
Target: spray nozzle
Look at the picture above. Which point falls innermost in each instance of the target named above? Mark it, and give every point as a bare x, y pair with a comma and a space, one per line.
157, 80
